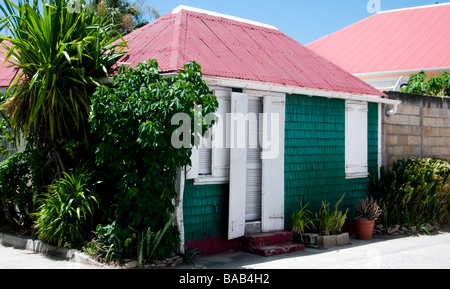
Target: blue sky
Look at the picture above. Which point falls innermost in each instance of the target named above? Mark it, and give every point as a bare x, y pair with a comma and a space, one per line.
305, 21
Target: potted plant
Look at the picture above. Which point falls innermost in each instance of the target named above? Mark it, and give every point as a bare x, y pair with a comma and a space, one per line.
368, 213
324, 230
301, 222
330, 223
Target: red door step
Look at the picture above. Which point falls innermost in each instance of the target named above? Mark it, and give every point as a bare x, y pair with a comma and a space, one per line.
270, 244
278, 249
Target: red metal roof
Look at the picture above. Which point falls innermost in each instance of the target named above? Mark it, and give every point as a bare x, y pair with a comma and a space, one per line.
397, 40
229, 48
7, 74
233, 48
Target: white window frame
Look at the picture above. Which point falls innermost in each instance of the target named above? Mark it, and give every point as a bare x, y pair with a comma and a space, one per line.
356, 139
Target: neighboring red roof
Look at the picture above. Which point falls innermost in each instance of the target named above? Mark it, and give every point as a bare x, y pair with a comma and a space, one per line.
397, 40
7, 74
226, 47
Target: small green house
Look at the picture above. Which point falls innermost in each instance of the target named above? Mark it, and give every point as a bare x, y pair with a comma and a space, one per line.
293, 127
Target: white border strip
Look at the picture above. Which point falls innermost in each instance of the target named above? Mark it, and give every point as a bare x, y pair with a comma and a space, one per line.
187, 8
395, 72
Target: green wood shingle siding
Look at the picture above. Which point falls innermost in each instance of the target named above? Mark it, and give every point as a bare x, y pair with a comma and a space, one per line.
205, 211
315, 154
314, 167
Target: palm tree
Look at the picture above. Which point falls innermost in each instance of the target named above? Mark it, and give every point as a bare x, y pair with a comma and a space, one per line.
128, 16
60, 56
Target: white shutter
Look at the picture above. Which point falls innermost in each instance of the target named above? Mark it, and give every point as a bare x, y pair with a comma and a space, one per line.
238, 158
273, 164
193, 170
356, 144
205, 156
220, 152
212, 158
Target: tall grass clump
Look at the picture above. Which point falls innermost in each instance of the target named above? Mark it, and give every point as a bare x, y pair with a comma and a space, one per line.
66, 211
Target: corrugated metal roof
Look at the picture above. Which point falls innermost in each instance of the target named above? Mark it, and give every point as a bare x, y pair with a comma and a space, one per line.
229, 48
397, 40
233, 48
7, 74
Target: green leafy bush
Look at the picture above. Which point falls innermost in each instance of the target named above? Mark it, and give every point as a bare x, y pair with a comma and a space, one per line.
14, 199
22, 177
416, 192
6, 136
132, 131
66, 210
435, 86
107, 245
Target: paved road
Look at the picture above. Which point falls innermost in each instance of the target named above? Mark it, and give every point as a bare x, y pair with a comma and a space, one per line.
382, 252
11, 258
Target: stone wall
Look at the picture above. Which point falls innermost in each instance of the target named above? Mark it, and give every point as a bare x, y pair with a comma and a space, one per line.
421, 128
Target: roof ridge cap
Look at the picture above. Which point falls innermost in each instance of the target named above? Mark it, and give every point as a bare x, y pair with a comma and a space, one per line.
215, 14
178, 40
416, 7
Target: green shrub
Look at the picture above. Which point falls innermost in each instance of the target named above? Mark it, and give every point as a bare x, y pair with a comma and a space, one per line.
22, 178
66, 210
107, 245
14, 198
435, 86
131, 125
416, 192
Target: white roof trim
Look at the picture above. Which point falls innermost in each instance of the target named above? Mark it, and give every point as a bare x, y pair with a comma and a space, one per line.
252, 85
402, 72
411, 8
187, 8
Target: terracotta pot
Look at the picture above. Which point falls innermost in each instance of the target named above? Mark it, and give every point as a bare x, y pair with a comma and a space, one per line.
364, 229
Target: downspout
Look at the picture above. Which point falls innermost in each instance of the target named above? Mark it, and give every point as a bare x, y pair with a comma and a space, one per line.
394, 109
179, 187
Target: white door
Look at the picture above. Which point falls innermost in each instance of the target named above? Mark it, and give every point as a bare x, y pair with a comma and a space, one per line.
273, 163
256, 171
254, 163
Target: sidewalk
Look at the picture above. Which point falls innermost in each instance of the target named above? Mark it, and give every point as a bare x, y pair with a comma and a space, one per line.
26, 253
382, 252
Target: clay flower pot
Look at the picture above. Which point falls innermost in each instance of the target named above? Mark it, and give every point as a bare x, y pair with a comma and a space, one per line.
364, 229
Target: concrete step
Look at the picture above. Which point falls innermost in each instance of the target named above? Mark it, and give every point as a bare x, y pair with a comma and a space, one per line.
277, 249
263, 239
270, 244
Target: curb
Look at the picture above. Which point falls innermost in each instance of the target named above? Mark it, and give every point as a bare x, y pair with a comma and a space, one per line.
39, 247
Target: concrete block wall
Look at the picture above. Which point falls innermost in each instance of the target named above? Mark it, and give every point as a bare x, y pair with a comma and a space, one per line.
421, 128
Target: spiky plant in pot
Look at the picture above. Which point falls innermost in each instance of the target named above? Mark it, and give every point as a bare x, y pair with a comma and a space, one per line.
368, 212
